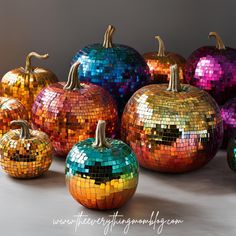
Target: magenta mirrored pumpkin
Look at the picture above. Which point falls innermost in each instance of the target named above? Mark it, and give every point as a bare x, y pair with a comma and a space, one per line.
213, 68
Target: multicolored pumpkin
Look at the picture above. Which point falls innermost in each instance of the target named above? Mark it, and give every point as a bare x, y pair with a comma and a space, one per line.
101, 173
68, 112
175, 128
119, 69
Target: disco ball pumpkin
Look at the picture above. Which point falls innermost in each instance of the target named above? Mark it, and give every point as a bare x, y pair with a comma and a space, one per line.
231, 154
25, 153
10, 109
68, 112
159, 63
228, 113
213, 68
101, 173
25, 83
119, 69
175, 128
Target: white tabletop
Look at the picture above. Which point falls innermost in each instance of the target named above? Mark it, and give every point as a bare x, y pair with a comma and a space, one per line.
205, 200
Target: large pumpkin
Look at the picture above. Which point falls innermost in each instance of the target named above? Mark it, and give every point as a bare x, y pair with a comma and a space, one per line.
213, 68
159, 63
10, 109
119, 69
25, 83
175, 128
68, 112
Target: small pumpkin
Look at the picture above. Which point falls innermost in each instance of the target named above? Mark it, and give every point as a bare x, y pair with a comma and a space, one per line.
175, 128
68, 112
213, 68
118, 68
231, 153
10, 109
159, 63
25, 83
25, 153
101, 173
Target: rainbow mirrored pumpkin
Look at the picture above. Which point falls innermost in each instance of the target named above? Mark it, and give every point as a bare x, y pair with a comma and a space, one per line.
175, 128
101, 173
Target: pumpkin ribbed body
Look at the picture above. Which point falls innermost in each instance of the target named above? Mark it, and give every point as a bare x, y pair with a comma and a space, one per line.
172, 131
69, 116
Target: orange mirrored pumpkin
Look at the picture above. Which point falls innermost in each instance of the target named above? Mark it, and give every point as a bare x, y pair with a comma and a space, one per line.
159, 63
25, 83
25, 153
10, 109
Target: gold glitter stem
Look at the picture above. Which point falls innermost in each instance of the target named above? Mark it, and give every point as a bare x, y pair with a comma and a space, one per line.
28, 67
174, 83
219, 43
162, 49
25, 128
107, 42
73, 82
100, 135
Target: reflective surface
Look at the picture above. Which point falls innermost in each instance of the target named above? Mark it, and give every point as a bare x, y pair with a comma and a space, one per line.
213, 70
101, 178
159, 63
172, 131
231, 154
121, 70
25, 158
228, 113
10, 109
160, 66
201, 198
25, 83
69, 116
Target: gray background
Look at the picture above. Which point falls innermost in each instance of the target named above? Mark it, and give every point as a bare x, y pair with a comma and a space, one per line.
204, 199
61, 27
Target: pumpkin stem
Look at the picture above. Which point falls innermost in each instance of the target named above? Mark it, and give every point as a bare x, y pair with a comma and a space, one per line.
73, 82
219, 43
100, 135
174, 83
28, 67
25, 128
162, 49
107, 42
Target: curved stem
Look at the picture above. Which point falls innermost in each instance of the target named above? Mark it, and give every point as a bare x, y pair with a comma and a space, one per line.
28, 59
162, 49
73, 82
25, 128
219, 43
174, 83
107, 42
100, 135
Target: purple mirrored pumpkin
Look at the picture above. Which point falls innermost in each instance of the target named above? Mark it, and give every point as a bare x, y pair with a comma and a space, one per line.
228, 113
213, 68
